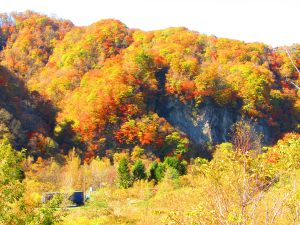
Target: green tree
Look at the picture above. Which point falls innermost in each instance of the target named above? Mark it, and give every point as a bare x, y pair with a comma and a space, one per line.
139, 170
176, 143
157, 171
13, 209
11, 187
176, 164
153, 167
160, 171
124, 176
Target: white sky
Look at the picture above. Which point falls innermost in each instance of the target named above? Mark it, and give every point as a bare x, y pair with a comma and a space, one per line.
275, 22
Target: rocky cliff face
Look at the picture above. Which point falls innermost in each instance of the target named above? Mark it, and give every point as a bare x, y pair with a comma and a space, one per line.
205, 124
208, 123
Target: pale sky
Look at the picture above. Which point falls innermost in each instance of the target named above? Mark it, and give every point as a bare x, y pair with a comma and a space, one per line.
274, 22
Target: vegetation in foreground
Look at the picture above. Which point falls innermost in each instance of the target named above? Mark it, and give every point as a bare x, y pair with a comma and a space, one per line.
233, 188
238, 186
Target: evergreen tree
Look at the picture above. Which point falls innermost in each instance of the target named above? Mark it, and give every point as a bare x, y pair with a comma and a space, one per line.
175, 163
160, 171
139, 170
124, 176
152, 171
157, 171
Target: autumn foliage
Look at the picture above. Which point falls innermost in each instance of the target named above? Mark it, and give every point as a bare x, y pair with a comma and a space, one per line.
102, 80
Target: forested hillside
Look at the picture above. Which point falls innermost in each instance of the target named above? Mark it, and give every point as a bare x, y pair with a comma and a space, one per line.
105, 87
107, 91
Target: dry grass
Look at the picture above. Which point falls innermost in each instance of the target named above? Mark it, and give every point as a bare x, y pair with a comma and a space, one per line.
188, 200
144, 204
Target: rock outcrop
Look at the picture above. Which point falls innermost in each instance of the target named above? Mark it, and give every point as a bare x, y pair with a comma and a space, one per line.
207, 123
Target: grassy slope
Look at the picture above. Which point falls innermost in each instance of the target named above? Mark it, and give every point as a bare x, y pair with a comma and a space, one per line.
185, 201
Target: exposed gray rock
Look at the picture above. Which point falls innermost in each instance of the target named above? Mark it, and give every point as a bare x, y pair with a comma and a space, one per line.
208, 123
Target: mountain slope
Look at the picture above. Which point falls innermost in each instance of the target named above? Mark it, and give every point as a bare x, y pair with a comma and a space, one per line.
116, 88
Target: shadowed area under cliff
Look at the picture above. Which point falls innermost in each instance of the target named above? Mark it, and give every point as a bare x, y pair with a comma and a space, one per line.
23, 112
